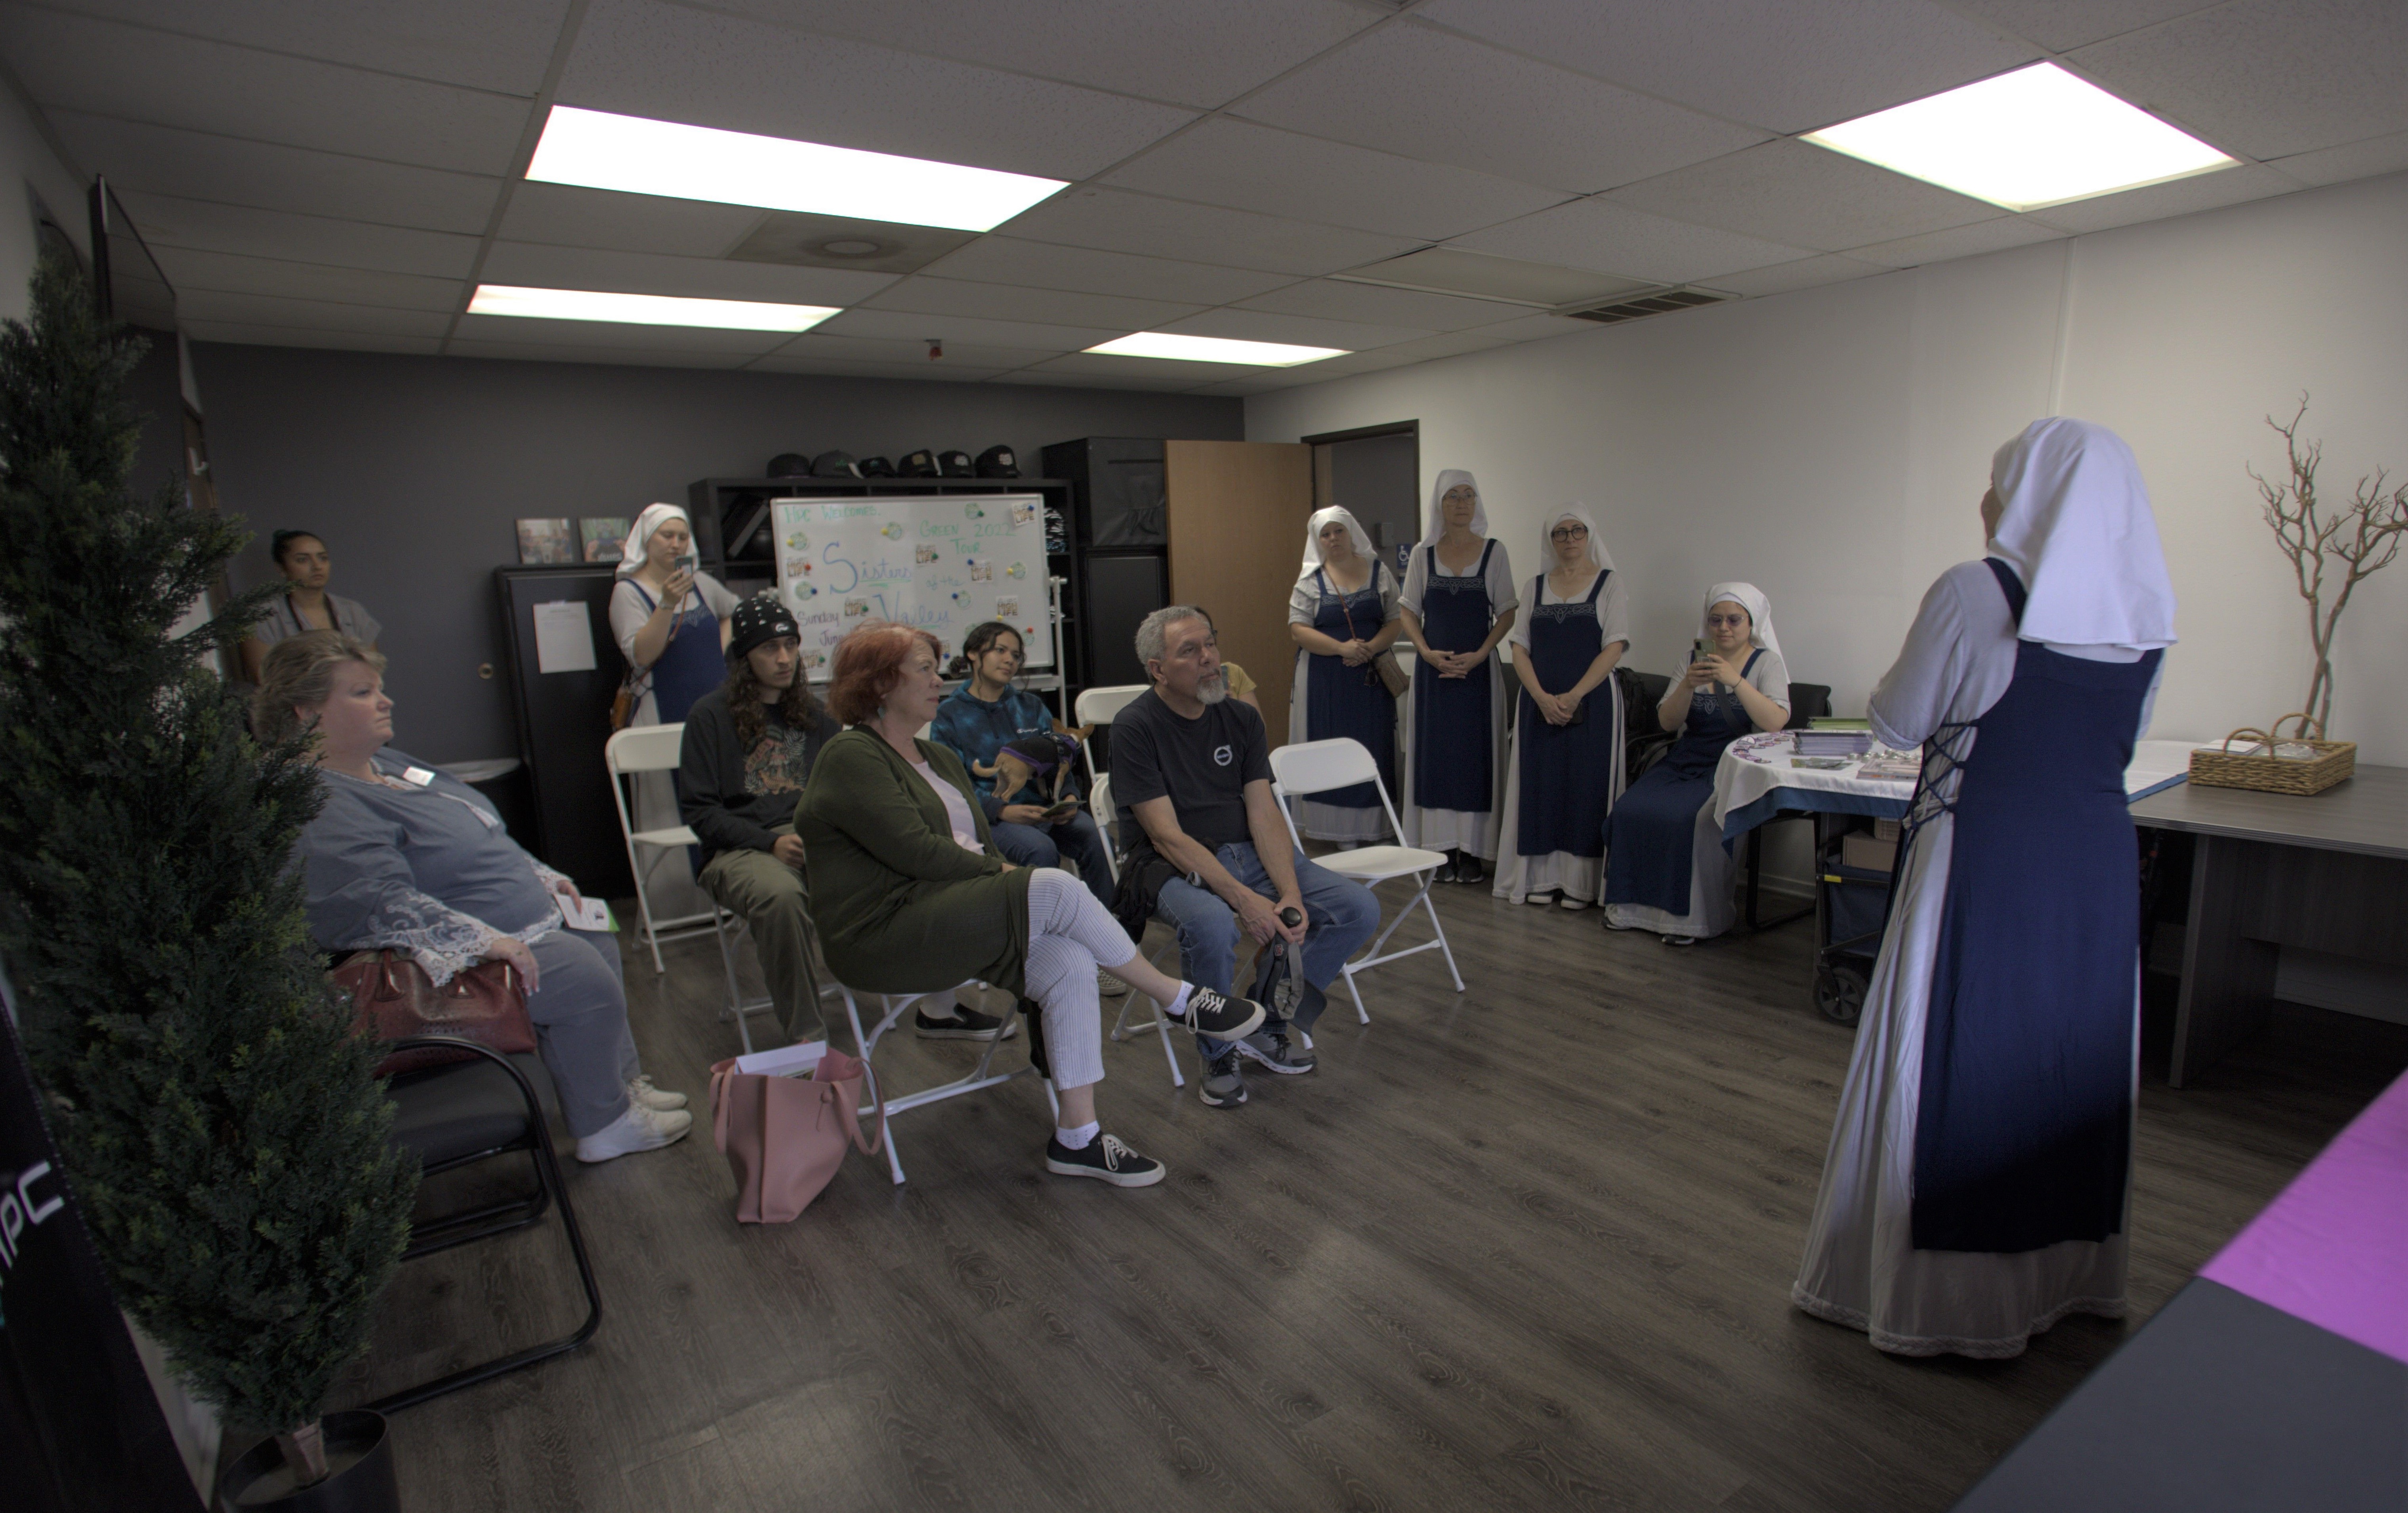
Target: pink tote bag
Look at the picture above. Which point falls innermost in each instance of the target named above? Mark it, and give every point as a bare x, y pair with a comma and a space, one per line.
784, 1136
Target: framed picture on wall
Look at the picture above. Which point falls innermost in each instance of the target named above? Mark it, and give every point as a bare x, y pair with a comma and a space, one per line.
546, 541
605, 536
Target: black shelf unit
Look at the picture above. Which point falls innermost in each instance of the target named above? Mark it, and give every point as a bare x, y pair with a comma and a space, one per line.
564, 719
1121, 538
722, 508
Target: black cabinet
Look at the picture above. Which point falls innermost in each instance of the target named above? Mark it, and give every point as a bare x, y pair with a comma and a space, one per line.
1119, 497
564, 719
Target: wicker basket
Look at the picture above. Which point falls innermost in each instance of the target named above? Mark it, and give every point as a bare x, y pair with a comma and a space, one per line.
2268, 774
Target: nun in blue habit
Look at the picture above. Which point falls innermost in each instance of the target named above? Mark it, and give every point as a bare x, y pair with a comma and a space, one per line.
1566, 768
1978, 1184
1342, 615
1457, 604
1667, 867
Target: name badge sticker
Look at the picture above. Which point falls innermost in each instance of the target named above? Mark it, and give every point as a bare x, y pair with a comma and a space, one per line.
418, 777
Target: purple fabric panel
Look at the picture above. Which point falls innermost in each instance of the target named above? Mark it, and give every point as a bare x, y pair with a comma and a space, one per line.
2333, 1248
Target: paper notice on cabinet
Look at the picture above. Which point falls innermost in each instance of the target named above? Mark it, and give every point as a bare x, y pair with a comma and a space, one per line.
563, 638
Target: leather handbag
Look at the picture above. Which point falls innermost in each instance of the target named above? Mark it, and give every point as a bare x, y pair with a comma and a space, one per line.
395, 998
1384, 668
784, 1136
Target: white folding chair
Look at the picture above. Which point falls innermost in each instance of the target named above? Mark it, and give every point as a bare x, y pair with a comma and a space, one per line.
1101, 706
1316, 767
641, 749
1122, 1028
891, 1008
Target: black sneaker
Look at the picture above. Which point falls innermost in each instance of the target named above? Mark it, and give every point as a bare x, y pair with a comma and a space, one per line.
1469, 869
1104, 1158
965, 1024
1446, 869
1269, 1046
1218, 1016
1223, 1086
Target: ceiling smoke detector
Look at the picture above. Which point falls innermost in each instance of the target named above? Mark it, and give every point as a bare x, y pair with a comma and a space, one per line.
852, 247
1636, 309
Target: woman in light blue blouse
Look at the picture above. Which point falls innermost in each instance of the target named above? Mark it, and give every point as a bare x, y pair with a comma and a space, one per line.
986, 714
405, 857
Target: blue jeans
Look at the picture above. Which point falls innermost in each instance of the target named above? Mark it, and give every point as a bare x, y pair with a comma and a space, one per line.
1045, 846
1338, 916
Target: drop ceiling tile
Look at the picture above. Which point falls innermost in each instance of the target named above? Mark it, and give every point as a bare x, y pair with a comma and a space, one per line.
1044, 307
2184, 196
902, 351
2269, 78
1299, 330
1606, 238
1805, 196
904, 326
1147, 372
1413, 90
1774, 63
1373, 305
209, 227
998, 259
189, 270
519, 331
1534, 328
483, 45
2062, 26
2353, 160
76, 63
1960, 241
1199, 55
675, 63
1251, 167
1420, 350
567, 215
264, 176
244, 335
1153, 383
650, 273
308, 314
539, 351
836, 368
1116, 220
1806, 273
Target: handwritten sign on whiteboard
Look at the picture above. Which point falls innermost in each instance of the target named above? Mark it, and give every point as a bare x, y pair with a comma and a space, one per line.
940, 562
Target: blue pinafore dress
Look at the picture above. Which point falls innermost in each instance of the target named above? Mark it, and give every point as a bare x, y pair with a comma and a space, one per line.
1648, 837
1454, 718
1342, 700
1566, 771
692, 665
2024, 1121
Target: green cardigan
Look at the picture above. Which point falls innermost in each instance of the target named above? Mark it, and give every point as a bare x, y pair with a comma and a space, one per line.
901, 906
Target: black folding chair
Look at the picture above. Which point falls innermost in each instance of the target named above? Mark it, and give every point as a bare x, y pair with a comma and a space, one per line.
454, 1117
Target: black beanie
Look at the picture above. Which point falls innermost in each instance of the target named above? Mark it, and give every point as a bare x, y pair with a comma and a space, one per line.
762, 618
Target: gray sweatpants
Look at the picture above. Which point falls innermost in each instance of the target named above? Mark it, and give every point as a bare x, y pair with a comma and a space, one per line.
579, 1013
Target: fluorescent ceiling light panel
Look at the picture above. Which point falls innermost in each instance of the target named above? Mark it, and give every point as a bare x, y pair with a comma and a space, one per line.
635, 156
1270, 355
645, 310
2035, 137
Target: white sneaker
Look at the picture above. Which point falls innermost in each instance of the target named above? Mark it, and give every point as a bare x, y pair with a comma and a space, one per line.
1109, 986
642, 1091
637, 1129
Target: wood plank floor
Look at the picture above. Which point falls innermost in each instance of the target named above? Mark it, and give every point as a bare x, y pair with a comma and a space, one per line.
1529, 1246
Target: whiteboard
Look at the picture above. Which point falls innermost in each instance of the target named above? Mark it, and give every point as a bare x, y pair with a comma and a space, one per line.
942, 563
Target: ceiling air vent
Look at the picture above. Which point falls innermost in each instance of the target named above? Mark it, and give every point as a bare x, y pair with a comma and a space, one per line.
1634, 309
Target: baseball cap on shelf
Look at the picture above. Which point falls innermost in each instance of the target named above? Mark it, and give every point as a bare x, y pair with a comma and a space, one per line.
955, 465
834, 465
789, 465
919, 465
876, 467
997, 463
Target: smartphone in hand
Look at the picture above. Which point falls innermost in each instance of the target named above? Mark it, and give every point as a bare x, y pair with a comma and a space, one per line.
1058, 812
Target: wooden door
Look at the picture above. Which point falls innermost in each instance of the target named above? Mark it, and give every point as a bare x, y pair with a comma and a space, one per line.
1238, 511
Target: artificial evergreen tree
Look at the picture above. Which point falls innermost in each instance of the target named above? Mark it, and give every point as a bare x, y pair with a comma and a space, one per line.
219, 1117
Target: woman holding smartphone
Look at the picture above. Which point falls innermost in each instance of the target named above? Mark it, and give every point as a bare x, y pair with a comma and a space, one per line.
670, 619
1566, 769
1666, 868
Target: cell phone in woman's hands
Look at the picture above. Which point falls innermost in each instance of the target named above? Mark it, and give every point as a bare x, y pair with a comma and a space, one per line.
688, 563
1060, 810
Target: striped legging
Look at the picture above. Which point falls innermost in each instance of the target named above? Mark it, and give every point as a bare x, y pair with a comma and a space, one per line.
1069, 937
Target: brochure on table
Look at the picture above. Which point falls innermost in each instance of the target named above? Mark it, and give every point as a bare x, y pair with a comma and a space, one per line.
943, 562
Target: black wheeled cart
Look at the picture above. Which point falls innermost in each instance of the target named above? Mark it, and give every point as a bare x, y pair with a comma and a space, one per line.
1854, 858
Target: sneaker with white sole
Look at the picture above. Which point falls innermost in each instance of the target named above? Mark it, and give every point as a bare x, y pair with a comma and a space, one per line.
1223, 1086
1104, 1158
1220, 1016
637, 1129
1109, 986
660, 1100
965, 1024
1269, 1046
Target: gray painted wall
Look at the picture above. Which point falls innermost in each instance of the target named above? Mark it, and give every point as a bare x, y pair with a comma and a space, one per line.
416, 468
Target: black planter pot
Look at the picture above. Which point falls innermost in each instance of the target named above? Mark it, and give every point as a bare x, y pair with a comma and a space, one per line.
359, 1457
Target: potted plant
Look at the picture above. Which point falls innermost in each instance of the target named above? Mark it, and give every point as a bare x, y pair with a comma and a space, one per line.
216, 1111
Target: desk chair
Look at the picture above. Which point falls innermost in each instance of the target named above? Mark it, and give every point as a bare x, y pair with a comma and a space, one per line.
456, 1116
892, 1006
1122, 1028
641, 749
1316, 767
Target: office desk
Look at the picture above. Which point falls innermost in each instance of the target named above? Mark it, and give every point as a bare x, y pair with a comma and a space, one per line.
2326, 874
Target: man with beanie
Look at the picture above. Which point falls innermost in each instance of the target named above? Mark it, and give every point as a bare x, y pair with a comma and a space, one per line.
747, 750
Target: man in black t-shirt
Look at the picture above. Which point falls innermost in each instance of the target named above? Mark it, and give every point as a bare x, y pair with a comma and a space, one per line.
1192, 777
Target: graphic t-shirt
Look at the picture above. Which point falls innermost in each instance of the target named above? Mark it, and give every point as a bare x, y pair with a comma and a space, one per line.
1202, 766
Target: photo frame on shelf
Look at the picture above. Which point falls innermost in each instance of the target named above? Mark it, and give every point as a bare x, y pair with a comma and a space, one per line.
605, 538
546, 541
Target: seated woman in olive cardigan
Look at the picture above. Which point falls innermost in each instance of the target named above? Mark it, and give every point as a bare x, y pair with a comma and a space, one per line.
912, 896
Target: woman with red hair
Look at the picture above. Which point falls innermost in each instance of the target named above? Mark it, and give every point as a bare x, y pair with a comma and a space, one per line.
912, 895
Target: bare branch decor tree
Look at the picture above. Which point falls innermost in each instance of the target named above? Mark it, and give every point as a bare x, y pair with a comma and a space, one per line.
2353, 543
